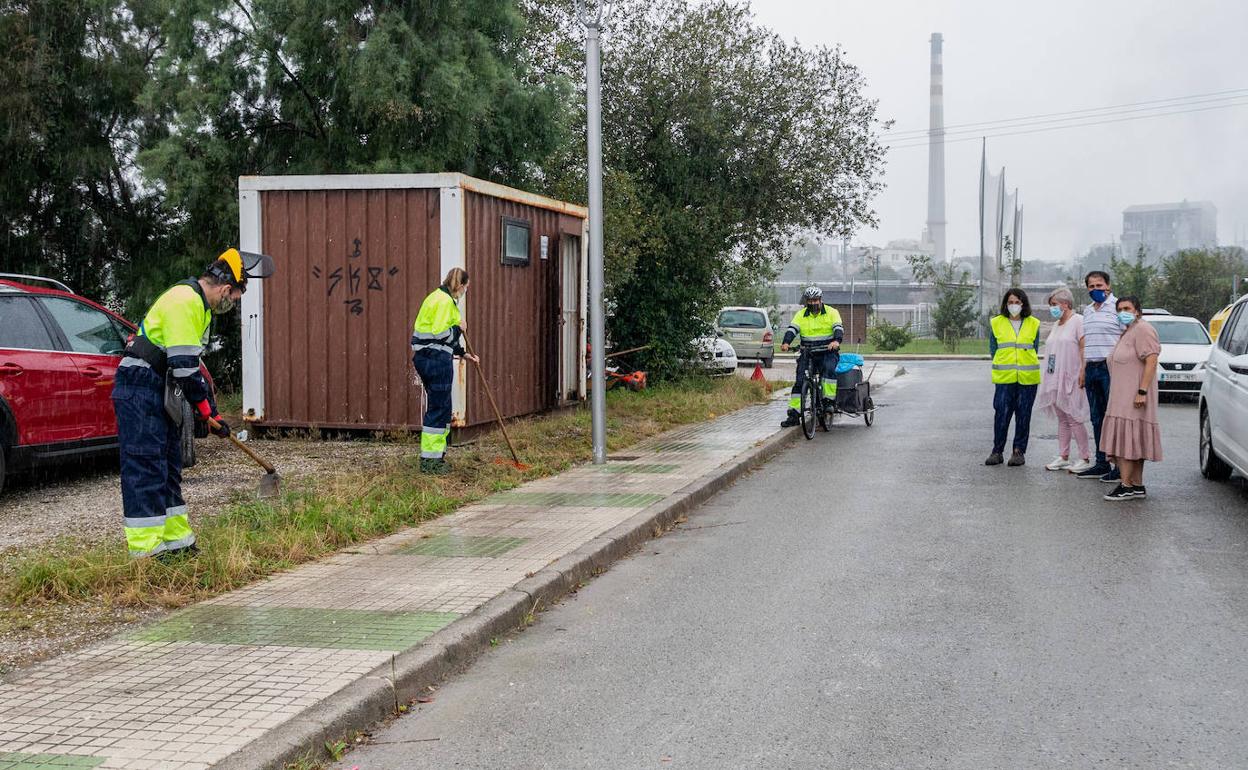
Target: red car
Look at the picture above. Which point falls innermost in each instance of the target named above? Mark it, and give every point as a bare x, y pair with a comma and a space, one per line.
58, 355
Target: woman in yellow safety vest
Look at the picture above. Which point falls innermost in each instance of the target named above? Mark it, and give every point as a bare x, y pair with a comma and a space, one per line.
438, 336
1015, 346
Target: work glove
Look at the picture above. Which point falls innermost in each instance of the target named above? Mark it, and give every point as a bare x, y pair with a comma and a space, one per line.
207, 412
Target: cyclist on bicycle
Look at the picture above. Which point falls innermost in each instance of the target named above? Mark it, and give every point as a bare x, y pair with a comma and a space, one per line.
817, 325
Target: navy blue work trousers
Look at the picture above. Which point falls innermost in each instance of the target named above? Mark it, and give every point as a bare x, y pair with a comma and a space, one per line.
437, 374
1012, 402
826, 363
151, 449
1096, 384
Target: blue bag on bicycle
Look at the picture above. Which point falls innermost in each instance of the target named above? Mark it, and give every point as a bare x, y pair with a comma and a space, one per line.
848, 361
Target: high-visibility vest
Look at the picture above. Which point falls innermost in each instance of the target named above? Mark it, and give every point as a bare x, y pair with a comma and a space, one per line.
815, 328
1016, 359
177, 325
437, 324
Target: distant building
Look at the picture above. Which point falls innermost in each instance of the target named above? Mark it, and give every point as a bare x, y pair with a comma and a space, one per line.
1164, 228
895, 255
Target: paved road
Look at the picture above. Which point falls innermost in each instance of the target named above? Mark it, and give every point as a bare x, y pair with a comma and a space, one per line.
878, 598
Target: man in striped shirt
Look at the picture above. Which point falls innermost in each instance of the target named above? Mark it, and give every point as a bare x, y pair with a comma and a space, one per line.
1101, 330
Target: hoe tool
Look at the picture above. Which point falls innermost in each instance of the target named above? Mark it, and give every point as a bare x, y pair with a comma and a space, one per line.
515, 458
270, 482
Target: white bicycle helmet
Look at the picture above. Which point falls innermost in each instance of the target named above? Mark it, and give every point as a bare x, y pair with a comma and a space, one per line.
812, 292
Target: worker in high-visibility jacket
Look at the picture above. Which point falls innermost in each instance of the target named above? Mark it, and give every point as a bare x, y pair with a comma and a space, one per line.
159, 369
437, 337
821, 332
1015, 347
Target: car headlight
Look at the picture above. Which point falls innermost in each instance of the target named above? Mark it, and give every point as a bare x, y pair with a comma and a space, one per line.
1198, 367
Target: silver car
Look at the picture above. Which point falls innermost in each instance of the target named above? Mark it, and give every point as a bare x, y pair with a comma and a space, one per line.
746, 329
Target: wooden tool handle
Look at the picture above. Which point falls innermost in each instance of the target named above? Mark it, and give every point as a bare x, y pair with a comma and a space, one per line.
489, 394
248, 450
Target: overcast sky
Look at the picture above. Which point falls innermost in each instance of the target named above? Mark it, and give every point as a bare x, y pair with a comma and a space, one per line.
1009, 59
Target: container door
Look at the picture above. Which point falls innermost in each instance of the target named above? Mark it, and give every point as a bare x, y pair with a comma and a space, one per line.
570, 353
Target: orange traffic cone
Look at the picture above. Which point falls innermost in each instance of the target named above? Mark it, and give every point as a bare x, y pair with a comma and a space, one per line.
757, 376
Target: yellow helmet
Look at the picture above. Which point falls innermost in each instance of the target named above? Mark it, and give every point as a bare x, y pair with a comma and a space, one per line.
235, 267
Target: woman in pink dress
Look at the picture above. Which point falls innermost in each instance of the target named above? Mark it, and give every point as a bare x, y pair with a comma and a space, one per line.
1061, 396
1130, 434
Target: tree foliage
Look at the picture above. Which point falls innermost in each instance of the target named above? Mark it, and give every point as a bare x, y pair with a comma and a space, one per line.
954, 316
1198, 282
1134, 279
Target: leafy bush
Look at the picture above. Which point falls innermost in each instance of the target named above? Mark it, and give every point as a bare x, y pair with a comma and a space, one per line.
887, 336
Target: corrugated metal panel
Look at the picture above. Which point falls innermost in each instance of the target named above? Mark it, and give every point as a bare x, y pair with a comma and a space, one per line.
513, 311
354, 266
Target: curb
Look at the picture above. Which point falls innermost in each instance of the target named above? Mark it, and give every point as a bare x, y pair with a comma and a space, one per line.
379, 693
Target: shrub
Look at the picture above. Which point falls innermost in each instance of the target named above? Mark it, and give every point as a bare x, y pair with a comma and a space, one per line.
887, 336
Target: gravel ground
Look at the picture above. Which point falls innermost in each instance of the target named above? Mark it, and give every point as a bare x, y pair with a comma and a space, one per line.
84, 503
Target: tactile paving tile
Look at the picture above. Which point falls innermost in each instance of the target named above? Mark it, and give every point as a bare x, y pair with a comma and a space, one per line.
454, 544
21, 761
297, 627
636, 468
579, 499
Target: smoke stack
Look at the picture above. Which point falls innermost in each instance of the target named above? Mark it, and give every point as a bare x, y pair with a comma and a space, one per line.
936, 153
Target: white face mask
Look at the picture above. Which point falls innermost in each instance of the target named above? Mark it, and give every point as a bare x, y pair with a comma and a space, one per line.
1014, 309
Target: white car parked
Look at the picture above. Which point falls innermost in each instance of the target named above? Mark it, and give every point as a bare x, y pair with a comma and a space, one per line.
1185, 347
714, 356
1224, 400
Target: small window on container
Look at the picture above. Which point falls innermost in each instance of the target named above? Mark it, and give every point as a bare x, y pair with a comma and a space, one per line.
516, 241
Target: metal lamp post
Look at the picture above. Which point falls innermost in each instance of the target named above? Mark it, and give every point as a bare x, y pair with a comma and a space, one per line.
590, 15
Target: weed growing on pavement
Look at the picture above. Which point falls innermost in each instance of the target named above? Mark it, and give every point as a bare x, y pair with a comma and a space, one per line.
251, 539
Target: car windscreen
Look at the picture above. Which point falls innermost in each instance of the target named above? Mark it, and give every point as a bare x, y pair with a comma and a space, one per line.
739, 319
1180, 332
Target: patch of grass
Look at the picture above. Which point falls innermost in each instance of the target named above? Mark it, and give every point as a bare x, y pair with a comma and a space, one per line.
926, 347
251, 539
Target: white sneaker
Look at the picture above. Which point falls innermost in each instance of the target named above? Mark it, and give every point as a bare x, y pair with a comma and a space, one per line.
1080, 466
1058, 464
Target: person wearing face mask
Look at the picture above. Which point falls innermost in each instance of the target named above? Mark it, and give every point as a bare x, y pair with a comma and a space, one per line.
1131, 434
1060, 395
159, 368
1015, 346
437, 336
1101, 330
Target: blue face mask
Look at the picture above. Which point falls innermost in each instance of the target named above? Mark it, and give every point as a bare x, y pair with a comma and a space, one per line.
1126, 318
1055, 311
1098, 295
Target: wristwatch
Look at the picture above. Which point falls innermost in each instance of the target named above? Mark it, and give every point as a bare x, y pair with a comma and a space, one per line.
1142, 392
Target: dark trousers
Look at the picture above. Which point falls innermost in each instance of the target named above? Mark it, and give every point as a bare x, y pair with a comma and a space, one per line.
1012, 402
151, 463
1096, 384
825, 361
437, 375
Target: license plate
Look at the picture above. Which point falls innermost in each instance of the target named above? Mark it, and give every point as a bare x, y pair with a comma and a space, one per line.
739, 335
1177, 377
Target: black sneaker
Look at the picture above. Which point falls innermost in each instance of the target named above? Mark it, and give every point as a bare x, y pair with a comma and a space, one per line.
1016, 459
1113, 477
1121, 493
994, 459
1139, 491
1095, 472
793, 418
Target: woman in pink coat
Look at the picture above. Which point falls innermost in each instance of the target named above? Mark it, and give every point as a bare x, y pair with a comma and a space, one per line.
1061, 396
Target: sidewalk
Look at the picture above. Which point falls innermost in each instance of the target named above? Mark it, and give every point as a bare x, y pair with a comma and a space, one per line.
260, 675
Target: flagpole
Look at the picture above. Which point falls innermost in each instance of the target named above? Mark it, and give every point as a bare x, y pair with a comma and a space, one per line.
983, 163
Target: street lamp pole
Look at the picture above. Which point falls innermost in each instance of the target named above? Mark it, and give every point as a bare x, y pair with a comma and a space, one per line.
591, 19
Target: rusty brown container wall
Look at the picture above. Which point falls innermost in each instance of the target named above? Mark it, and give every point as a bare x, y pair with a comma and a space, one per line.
354, 267
327, 337
513, 310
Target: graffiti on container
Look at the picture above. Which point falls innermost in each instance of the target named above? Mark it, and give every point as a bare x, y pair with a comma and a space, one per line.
355, 278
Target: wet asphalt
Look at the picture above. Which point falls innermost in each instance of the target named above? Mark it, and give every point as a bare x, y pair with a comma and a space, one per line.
878, 598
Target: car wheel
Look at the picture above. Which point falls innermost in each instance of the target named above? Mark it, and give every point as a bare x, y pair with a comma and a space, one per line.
188, 435
1212, 467
767, 363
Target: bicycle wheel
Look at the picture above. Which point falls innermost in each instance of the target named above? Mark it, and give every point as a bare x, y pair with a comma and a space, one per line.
868, 411
827, 411
809, 405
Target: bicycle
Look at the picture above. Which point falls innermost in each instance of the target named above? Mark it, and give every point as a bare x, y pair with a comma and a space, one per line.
814, 407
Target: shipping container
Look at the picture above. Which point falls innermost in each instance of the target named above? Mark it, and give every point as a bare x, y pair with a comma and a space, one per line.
326, 339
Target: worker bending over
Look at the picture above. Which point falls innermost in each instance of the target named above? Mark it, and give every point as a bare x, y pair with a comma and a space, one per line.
438, 336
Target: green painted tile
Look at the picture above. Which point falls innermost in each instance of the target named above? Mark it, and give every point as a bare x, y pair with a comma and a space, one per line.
452, 544
692, 446
20, 761
297, 627
637, 468
579, 499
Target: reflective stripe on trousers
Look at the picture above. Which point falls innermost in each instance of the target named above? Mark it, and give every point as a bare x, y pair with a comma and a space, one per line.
151, 465
437, 374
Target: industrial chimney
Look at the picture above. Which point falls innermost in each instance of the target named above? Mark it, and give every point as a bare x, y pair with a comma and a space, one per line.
936, 154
